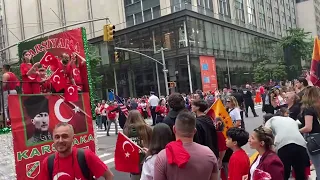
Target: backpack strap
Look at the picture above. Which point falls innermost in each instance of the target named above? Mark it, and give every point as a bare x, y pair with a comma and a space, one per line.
50, 165
83, 164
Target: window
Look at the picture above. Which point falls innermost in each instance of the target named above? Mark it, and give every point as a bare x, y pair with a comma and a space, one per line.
130, 21
239, 10
138, 18
147, 15
224, 7
251, 12
156, 12
270, 22
262, 21
278, 27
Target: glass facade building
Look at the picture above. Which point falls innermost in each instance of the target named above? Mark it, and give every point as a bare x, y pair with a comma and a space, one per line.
185, 35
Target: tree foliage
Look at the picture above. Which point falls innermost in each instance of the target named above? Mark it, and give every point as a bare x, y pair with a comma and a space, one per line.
297, 46
95, 60
264, 71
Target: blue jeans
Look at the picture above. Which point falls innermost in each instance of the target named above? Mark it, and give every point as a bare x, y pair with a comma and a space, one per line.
99, 121
315, 159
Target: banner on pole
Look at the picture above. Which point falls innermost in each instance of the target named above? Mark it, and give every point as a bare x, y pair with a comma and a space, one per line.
208, 73
33, 120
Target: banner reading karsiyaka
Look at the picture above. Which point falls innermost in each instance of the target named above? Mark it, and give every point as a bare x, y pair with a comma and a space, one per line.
47, 60
208, 73
33, 119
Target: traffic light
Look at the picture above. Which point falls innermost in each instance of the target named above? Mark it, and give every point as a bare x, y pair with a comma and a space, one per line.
108, 32
116, 56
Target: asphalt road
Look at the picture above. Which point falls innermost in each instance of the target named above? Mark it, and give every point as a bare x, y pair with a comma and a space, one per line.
106, 144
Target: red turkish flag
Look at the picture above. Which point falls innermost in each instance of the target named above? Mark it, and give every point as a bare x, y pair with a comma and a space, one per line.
71, 93
58, 80
49, 60
126, 156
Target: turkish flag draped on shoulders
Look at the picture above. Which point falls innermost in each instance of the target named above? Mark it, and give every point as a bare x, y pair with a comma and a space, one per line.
49, 60
71, 93
126, 156
58, 80
218, 110
315, 63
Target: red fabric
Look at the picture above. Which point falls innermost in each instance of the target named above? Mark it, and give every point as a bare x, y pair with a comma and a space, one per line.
239, 165
271, 163
307, 172
77, 76
12, 82
176, 154
45, 87
71, 93
161, 109
84, 76
112, 115
62, 165
126, 156
49, 60
30, 84
58, 80
221, 141
261, 175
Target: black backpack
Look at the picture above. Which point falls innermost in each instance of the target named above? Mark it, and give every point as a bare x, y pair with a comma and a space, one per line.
81, 162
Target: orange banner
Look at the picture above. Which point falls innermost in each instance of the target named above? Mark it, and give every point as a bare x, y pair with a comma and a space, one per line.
208, 73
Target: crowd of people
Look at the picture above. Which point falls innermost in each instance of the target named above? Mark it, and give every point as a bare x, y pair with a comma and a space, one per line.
185, 142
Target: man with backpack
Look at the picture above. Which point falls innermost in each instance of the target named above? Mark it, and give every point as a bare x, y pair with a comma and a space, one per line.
70, 161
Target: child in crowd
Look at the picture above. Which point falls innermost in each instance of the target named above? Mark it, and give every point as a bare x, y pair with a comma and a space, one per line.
239, 163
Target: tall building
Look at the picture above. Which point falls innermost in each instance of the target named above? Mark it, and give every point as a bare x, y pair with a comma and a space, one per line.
308, 16
234, 31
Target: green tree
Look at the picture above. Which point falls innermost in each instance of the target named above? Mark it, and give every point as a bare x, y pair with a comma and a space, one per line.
95, 60
264, 71
297, 46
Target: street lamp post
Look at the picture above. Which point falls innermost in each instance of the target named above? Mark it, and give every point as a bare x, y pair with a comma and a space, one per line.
165, 71
163, 63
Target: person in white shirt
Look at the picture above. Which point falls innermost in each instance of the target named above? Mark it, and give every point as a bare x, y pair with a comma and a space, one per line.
153, 103
161, 136
234, 111
289, 144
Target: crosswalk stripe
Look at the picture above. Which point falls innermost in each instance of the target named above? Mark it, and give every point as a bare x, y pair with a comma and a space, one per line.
104, 155
108, 161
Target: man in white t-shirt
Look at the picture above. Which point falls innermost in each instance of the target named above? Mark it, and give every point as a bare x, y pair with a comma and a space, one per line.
153, 103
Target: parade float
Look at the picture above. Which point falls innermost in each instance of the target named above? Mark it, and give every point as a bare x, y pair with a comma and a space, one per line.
25, 144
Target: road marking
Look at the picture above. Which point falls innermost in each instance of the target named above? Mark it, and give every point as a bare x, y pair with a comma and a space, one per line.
104, 155
108, 161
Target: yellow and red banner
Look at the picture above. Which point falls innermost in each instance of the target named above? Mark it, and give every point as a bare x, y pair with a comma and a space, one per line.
218, 110
315, 63
208, 73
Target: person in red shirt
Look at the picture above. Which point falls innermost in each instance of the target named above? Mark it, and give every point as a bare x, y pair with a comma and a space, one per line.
161, 111
222, 147
45, 85
9, 84
239, 163
76, 64
112, 115
65, 162
29, 74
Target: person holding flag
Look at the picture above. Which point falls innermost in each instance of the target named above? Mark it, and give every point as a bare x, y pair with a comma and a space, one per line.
29, 74
140, 133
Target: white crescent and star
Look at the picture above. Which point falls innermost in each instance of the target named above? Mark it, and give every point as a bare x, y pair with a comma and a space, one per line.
56, 77
57, 111
59, 174
70, 88
75, 72
48, 58
127, 154
32, 78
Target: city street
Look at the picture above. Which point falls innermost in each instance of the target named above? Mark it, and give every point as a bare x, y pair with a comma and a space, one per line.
107, 144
